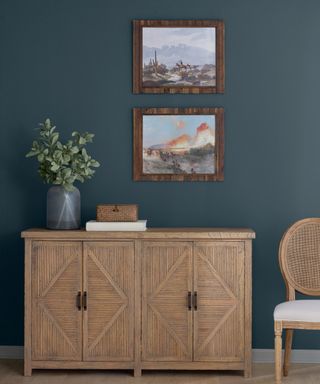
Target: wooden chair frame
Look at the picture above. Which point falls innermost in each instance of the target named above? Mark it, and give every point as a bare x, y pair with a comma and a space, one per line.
292, 286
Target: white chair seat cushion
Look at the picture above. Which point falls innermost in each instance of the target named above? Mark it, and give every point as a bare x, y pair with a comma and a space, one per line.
298, 310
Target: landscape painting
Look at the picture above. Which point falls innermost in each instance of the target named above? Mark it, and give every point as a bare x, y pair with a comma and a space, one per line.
180, 146
178, 56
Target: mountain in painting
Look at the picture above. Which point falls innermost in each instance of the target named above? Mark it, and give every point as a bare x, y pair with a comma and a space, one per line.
203, 137
171, 54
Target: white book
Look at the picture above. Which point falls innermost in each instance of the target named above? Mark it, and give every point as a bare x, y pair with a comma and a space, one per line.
93, 225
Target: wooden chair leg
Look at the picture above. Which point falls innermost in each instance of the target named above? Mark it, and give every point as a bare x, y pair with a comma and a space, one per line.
277, 351
287, 351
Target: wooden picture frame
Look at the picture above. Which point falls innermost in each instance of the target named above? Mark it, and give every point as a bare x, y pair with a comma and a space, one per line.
172, 73
197, 144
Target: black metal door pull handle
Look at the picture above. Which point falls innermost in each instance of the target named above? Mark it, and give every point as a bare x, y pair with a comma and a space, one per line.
79, 301
189, 301
195, 304
85, 300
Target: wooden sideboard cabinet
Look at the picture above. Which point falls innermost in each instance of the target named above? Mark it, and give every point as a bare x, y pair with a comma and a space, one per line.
176, 298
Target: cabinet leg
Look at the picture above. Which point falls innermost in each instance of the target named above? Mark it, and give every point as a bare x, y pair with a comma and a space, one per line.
247, 373
27, 368
137, 372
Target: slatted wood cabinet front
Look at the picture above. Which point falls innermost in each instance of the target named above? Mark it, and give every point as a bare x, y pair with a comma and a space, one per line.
160, 299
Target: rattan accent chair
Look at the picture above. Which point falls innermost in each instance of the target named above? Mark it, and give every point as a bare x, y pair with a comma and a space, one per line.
299, 258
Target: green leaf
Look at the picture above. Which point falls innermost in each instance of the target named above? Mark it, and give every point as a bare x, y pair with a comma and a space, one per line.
57, 154
80, 178
55, 137
66, 172
31, 153
66, 159
84, 154
52, 130
47, 123
40, 157
75, 149
94, 163
54, 167
89, 137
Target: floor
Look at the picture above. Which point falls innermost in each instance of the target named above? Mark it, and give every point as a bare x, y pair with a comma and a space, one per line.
11, 373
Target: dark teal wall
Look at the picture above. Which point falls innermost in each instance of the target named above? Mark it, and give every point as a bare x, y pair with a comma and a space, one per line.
71, 60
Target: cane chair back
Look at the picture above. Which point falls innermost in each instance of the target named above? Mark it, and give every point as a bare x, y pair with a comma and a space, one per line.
299, 256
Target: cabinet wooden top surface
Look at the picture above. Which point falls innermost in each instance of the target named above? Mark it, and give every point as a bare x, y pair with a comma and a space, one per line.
151, 233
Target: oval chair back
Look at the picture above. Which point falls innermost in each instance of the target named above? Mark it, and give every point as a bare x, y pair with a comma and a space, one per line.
299, 257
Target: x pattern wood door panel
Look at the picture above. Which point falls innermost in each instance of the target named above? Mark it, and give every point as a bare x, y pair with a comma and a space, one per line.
219, 320
56, 321
109, 282
166, 321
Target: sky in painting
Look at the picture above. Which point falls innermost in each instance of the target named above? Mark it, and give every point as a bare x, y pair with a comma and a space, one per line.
194, 37
159, 129
195, 46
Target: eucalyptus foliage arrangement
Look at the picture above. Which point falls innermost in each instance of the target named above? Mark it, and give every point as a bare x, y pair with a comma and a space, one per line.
62, 164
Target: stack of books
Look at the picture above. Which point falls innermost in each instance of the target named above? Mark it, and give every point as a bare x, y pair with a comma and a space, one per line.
139, 225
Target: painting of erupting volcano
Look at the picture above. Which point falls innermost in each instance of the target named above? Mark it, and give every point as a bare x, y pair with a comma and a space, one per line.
179, 144
178, 56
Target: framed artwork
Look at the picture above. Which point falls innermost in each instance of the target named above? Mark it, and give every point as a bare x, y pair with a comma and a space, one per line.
178, 144
178, 56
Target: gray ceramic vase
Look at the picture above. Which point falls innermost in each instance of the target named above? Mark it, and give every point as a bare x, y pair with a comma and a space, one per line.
63, 208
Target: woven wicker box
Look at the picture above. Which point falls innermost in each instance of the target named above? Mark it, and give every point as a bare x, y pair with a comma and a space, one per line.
117, 212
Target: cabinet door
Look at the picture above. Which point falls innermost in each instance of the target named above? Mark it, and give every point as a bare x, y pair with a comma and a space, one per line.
109, 283
56, 280
219, 318
166, 320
